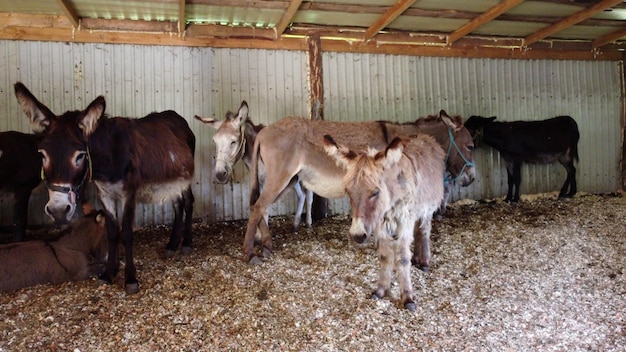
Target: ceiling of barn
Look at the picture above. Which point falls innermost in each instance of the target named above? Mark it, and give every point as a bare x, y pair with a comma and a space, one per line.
567, 29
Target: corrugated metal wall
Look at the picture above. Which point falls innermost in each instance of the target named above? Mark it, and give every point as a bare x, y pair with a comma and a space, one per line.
403, 88
137, 80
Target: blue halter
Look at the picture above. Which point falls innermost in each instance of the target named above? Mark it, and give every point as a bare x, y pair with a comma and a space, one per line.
447, 179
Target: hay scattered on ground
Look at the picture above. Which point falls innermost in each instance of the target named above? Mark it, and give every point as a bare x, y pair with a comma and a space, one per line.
544, 274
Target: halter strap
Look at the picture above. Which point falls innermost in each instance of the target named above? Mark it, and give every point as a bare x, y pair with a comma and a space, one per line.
447, 179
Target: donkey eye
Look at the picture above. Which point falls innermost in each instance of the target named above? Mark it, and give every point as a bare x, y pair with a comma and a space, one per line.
79, 158
233, 143
470, 147
374, 194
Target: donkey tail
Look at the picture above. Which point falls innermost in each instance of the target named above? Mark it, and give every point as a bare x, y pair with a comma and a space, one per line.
254, 173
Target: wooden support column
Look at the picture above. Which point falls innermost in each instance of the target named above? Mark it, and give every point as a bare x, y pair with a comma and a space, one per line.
316, 108
622, 66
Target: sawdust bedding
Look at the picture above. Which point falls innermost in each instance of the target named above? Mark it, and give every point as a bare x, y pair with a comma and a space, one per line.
544, 274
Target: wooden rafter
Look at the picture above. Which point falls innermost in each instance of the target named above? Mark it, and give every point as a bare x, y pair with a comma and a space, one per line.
609, 38
479, 21
394, 11
287, 16
181, 16
570, 21
69, 12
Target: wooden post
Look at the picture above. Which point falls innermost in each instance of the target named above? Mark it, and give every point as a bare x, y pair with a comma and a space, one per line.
622, 67
316, 111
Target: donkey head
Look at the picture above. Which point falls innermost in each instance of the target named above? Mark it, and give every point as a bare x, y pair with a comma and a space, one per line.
64, 151
230, 141
459, 157
365, 181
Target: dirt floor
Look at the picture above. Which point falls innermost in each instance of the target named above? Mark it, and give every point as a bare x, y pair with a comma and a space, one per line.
542, 275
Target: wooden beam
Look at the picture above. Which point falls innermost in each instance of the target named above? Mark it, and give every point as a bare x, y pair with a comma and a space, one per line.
608, 38
479, 21
69, 12
287, 17
214, 30
570, 21
182, 19
114, 25
392, 13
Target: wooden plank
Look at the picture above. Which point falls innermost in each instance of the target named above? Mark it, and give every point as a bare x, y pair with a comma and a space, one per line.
69, 12
481, 20
182, 19
570, 21
608, 38
115, 25
212, 30
394, 11
287, 16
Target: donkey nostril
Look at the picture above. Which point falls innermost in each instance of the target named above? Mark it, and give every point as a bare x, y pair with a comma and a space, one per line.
68, 209
360, 238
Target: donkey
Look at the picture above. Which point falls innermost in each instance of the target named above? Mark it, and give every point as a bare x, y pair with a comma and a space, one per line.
233, 141
77, 253
144, 160
389, 191
20, 168
539, 142
294, 147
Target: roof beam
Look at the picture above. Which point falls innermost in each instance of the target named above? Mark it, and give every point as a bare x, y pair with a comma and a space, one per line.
69, 12
570, 21
479, 21
182, 19
608, 38
392, 13
287, 16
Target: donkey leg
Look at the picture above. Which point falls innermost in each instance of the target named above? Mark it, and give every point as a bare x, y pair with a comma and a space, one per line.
188, 203
402, 251
510, 181
172, 245
20, 214
113, 260
421, 235
301, 198
386, 259
130, 272
569, 187
517, 177
309, 208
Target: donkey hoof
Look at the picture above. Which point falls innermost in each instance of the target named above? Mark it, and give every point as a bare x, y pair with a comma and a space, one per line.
169, 253
132, 288
376, 295
254, 260
410, 305
104, 279
186, 250
424, 268
267, 253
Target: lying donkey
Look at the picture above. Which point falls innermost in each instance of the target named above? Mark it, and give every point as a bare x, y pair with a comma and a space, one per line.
78, 253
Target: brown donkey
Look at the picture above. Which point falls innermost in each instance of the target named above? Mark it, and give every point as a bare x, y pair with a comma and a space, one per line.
147, 160
78, 253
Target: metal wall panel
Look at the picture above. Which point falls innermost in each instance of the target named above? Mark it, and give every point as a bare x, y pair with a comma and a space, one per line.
137, 80
403, 88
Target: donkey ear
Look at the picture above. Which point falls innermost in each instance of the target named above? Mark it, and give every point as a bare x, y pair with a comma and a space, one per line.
341, 154
37, 113
450, 122
242, 115
210, 121
393, 153
91, 116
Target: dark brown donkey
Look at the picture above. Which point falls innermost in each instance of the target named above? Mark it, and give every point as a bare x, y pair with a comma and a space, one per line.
20, 167
77, 253
148, 160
